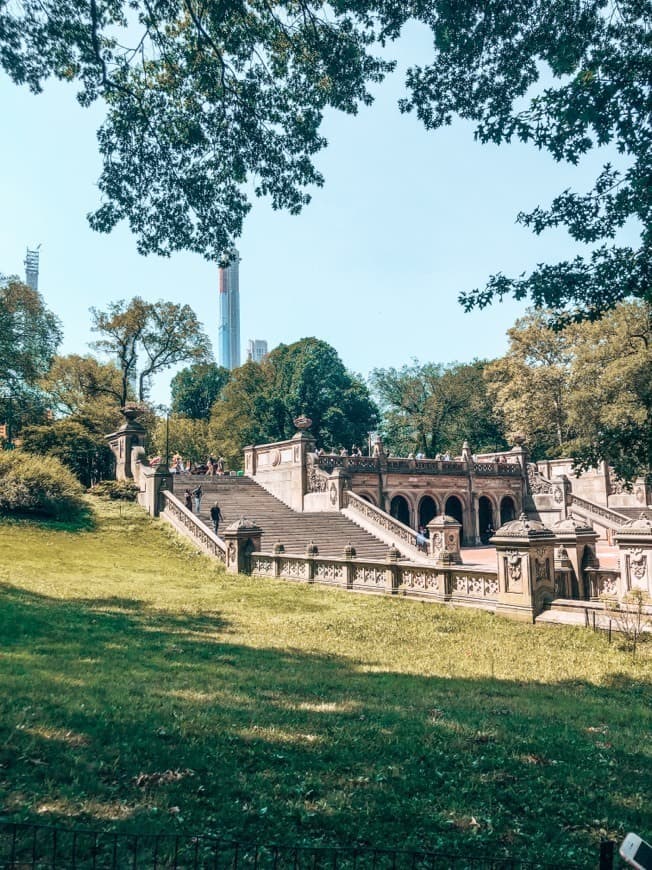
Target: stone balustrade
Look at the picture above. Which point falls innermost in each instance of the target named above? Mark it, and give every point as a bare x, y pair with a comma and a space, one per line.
402, 465
380, 518
178, 515
457, 585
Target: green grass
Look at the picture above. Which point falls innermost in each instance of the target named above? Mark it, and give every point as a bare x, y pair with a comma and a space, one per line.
297, 714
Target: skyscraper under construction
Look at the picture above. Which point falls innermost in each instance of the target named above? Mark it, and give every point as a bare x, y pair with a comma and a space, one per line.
229, 329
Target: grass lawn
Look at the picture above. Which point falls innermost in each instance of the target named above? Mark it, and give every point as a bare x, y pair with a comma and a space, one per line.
142, 688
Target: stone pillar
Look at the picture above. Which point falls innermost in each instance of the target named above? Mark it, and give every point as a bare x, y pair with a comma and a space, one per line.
391, 573
526, 568
242, 538
152, 482
634, 540
349, 555
130, 435
578, 541
445, 540
338, 482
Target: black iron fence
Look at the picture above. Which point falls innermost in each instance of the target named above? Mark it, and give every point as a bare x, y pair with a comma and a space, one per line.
37, 847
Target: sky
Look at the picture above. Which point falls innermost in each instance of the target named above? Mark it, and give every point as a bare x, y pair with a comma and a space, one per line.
407, 219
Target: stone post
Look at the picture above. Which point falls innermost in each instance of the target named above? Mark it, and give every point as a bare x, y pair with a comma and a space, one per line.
634, 540
578, 541
130, 435
349, 555
338, 482
312, 551
391, 572
242, 538
152, 482
526, 564
445, 540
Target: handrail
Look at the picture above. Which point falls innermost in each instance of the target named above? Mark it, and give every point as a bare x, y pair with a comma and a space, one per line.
598, 510
192, 526
380, 517
402, 464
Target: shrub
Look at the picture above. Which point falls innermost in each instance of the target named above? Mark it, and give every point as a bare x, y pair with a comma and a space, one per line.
82, 449
38, 485
122, 490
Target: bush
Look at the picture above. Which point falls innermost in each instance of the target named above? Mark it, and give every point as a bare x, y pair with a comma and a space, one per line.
122, 490
82, 449
38, 485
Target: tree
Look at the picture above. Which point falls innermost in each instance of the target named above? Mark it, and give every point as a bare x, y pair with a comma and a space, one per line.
182, 435
29, 336
434, 408
81, 448
261, 400
529, 386
83, 387
490, 58
195, 389
205, 101
159, 334
610, 401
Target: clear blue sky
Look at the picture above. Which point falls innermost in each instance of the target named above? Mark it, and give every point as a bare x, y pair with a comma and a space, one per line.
406, 220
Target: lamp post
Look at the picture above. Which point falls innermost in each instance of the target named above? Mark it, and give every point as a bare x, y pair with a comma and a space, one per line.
165, 410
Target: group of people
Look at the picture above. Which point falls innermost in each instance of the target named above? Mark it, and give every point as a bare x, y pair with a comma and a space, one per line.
214, 466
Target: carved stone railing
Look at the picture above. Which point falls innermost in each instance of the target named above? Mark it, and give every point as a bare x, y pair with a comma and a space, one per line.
613, 518
178, 515
317, 478
538, 484
603, 583
456, 585
497, 469
403, 465
378, 517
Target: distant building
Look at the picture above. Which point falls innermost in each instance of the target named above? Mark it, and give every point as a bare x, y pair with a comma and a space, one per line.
31, 268
256, 349
229, 326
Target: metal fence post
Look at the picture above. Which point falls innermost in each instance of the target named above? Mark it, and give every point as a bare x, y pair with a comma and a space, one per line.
607, 854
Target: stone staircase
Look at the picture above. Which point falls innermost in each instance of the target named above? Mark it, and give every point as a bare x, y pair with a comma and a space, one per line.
242, 496
634, 513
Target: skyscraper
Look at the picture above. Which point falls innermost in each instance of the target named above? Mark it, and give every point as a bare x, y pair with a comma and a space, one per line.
256, 349
229, 328
31, 268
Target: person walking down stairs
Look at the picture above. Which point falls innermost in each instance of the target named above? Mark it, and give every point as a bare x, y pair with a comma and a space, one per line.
216, 516
196, 496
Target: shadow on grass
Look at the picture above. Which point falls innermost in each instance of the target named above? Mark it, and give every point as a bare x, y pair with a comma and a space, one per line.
117, 715
83, 520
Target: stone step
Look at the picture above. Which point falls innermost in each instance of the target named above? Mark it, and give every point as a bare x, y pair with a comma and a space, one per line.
242, 496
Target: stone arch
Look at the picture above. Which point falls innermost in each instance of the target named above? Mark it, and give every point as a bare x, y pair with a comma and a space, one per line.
486, 517
367, 497
507, 509
400, 509
428, 509
454, 507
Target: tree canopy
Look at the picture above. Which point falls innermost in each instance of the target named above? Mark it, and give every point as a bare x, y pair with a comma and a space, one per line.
261, 400
209, 102
146, 337
433, 408
194, 389
584, 392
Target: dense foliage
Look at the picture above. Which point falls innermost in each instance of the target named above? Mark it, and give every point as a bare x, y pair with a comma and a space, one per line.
208, 101
584, 392
78, 445
115, 490
38, 485
29, 336
432, 408
261, 400
195, 389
